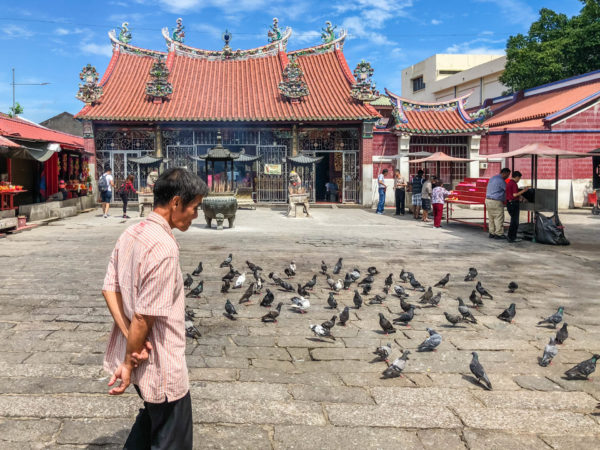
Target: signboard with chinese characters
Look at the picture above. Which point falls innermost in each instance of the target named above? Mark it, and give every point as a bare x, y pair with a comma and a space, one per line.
272, 169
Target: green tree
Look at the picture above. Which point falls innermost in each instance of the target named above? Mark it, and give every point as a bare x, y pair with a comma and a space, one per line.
555, 48
15, 110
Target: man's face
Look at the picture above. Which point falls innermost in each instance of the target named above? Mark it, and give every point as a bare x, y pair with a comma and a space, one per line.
504, 175
517, 179
183, 216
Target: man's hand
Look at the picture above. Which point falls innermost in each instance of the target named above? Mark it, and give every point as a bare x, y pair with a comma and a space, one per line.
122, 373
143, 355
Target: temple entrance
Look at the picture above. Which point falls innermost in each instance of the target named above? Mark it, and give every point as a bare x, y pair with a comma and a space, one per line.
322, 177
340, 169
272, 174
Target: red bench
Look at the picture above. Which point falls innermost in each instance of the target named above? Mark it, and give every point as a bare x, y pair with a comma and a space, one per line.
470, 191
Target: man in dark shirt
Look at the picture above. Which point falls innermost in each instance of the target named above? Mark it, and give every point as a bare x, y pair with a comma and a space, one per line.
513, 197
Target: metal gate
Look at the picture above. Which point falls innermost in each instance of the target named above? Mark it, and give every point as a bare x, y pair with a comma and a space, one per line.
122, 167
181, 156
351, 187
272, 174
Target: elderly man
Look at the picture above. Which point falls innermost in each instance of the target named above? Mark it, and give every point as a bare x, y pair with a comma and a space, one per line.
495, 197
144, 293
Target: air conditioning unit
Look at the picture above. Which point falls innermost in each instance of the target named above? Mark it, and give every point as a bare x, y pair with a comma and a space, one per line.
483, 165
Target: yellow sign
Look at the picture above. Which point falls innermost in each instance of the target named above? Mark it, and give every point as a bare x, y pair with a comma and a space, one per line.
272, 169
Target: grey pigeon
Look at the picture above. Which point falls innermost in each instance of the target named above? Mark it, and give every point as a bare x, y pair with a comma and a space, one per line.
404, 305
435, 300
345, 316
331, 301
358, 301
246, 296
267, 299
426, 296
321, 332
395, 369
338, 266
323, 267
310, 284
383, 352
584, 369
400, 291
550, 351
191, 331
415, 284
189, 313
379, 298
188, 281
475, 299
355, 274
198, 270
403, 276
329, 324
230, 309
562, 334
366, 289
472, 274
347, 281
555, 318
478, 371
225, 287
229, 276
372, 270
464, 311
227, 261
286, 286
453, 319
253, 267
272, 315
302, 291
512, 287
431, 342
330, 282
289, 272
386, 325
276, 279
195, 293
367, 280
406, 317
483, 291
508, 314
389, 280
443, 282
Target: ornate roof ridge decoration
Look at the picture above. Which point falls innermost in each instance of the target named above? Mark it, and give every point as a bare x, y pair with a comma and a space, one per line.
481, 115
124, 33
178, 34
363, 88
413, 105
158, 88
270, 49
125, 47
89, 92
293, 86
330, 42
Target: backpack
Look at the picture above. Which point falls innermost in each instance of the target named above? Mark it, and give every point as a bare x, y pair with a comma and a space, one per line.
103, 184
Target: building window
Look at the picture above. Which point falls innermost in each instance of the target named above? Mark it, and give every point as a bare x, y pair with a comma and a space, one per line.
418, 84
448, 72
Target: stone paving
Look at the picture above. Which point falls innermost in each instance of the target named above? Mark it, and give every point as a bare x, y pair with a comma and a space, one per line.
258, 385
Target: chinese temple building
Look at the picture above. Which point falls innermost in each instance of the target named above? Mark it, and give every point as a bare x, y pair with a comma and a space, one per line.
268, 102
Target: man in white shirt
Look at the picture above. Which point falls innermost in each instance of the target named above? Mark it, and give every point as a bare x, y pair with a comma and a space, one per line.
105, 185
381, 188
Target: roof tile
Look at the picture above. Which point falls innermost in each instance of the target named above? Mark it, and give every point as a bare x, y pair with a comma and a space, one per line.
20, 129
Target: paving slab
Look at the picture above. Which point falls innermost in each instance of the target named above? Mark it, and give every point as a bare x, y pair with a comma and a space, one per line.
382, 416
231, 437
493, 440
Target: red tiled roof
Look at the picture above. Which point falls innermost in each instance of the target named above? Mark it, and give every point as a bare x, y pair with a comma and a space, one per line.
8, 143
435, 119
19, 129
531, 112
233, 90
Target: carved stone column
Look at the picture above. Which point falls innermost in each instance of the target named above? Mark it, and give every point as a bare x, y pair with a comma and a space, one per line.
295, 140
158, 142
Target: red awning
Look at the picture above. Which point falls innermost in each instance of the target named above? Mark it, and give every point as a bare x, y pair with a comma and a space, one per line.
439, 157
539, 150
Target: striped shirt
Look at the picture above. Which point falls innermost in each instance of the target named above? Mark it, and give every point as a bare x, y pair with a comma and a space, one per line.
144, 268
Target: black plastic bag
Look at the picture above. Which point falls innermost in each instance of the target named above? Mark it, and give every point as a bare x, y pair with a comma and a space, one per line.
549, 230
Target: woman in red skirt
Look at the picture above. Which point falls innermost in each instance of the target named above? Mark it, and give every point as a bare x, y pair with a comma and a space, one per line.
438, 195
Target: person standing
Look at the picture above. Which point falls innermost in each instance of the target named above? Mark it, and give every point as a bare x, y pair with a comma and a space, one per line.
124, 191
105, 186
416, 187
143, 289
426, 197
513, 197
495, 197
438, 197
381, 188
399, 192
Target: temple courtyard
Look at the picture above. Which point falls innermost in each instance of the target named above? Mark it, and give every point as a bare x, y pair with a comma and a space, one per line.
263, 385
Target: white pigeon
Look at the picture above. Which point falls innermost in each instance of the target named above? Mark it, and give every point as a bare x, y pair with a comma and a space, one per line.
301, 304
293, 266
240, 281
321, 332
339, 284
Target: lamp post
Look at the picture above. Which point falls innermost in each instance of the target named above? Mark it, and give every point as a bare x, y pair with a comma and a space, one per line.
21, 84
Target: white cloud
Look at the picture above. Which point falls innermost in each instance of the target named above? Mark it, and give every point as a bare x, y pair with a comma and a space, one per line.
61, 31
479, 46
64, 32
307, 37
205, 28
515, 11
180, 5
12, 31
435, 22
96, 49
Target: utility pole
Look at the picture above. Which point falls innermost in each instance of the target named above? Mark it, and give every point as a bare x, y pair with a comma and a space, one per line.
14, 103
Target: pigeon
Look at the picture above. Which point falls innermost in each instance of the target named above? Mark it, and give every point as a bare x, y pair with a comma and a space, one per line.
400, 291
366, 289
286, 286
347, 282
372, 270
188, 281
431, 342
191, 331
464, 311
395, 369
584, 369
358, 301
272, 315
453, 319
329, 324
377, 300
246, 297
259, 285
189, 313
225, 287
301, 304
198, 270
475, 299
478, 371
273, 276
195, 293
311, 283
415, 284
267, 299
256, 274
345, 316
253, 267
386, 325
406, 317
404, 276
302, 291
331, 301
405, 306
562, 334
555, 318
339, 284
293, 266
239, 282
338, 266
435, 300
321, 332
323, 268
472, 274
512, 287
230, 310
227, 261
389, 280
508, 314
550, 351
367, 280
426, 296
442, 283
483, 291
355, 274
231, 274
289, 272
383, 352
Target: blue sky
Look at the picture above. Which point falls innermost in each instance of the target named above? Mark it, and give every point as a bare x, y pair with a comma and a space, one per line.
51, 40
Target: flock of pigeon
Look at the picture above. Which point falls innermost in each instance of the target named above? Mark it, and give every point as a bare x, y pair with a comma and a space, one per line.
234, 279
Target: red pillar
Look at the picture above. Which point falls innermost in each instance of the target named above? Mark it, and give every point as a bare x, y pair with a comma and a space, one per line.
51, 169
